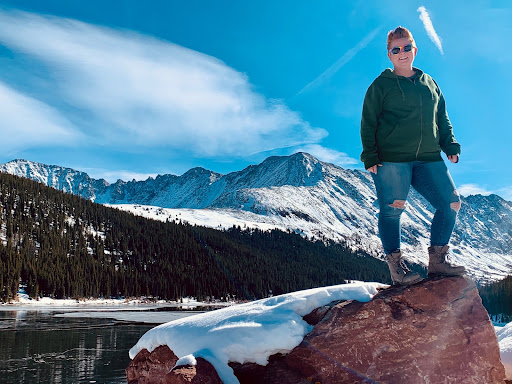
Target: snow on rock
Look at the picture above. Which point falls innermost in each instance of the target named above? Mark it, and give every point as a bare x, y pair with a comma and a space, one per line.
186, 360
505, 341
248, 332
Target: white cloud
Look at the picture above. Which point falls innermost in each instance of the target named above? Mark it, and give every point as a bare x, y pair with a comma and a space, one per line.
327, 155
27, 121
144, 92
429, 27
506, 193
473, 189
347, 56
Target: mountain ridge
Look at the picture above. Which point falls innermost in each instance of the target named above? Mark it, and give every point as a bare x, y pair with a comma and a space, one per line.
304, 194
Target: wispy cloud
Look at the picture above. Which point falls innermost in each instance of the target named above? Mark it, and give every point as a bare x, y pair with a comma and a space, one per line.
138, 91
474, 189
327, 155
27, 121
349, 55
429, 27
506, 193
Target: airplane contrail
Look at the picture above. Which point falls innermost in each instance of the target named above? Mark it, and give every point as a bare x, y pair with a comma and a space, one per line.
349, 55
425, 18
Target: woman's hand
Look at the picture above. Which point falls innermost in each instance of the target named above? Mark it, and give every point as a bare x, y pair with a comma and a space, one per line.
374, 168
454, 158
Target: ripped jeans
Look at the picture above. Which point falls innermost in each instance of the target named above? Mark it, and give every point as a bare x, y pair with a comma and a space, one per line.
433, 181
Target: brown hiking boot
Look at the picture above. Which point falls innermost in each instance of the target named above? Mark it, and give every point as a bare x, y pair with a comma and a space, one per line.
400, 274
438, 266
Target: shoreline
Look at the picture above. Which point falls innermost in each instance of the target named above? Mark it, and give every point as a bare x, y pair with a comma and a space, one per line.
23, 302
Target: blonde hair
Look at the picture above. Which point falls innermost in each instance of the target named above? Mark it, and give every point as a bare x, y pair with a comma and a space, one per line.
398, 33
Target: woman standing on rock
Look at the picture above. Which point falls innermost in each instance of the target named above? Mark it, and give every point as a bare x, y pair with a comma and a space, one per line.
404, 128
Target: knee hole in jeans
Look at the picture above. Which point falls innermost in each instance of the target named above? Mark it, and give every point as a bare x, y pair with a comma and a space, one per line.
399, 204
455, 206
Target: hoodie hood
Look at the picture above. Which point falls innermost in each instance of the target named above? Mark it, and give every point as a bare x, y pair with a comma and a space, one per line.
388, 72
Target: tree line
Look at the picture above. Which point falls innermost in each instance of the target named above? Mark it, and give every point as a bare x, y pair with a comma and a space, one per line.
63, 246
497, 299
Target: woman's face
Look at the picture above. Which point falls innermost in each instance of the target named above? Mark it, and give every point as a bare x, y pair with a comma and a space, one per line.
402, 60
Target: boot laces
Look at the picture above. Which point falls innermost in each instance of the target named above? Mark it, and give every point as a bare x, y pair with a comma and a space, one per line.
443, 257
402, 267
447, 260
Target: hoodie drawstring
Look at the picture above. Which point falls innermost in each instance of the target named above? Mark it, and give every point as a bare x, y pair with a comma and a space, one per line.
401, 90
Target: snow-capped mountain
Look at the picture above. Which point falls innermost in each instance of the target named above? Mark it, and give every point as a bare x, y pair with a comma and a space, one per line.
64, 179
301, 193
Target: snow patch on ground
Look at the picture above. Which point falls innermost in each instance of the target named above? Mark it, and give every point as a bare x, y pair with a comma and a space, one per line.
24, 302
505, 340
212, 218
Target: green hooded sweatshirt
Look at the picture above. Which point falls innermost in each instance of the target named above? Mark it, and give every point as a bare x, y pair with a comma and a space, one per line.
405, 120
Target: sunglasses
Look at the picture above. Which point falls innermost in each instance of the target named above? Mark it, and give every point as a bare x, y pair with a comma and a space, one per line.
396, 50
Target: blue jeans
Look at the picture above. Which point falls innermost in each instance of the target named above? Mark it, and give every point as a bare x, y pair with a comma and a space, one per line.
433, 181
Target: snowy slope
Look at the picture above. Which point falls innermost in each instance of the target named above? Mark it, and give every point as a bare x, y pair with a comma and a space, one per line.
300, 193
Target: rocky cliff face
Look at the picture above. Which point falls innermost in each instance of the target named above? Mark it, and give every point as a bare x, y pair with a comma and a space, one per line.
436, 331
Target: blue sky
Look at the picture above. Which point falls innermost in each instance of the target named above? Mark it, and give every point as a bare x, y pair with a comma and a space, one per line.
129, 89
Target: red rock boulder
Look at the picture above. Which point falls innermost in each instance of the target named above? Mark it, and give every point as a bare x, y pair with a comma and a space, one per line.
436, 331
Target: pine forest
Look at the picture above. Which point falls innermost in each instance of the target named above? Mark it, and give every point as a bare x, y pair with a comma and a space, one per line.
60, 245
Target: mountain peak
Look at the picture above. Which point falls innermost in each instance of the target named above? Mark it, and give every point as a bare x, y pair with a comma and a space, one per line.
296, 157
29, 169
304, 155
58, 177
200, 171
299, 169
305, 159
30, 163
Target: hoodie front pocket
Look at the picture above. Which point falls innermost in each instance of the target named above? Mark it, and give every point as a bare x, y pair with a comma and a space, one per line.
403, 137
393, 134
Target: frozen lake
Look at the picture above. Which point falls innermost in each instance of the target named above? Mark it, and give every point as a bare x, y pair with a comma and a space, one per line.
75, 345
